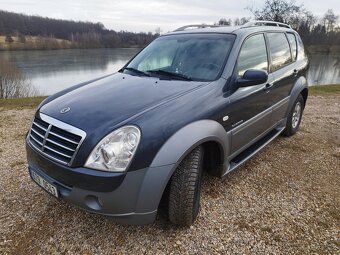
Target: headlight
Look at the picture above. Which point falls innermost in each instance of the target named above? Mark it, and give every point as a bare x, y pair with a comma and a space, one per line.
115, 151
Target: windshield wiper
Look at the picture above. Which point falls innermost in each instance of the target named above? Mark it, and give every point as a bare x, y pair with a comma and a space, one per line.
136, 71
171, 74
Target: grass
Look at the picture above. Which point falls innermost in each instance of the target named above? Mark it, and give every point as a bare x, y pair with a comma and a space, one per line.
324, 90
32, 102
27, 102
34, 42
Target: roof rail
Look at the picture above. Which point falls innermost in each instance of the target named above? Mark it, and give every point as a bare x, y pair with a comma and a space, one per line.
265, 23
194, 26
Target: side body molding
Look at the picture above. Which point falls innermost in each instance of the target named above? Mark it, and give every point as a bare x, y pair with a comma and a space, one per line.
170, 155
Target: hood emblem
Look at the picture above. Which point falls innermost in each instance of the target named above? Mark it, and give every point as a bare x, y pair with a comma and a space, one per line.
65, 110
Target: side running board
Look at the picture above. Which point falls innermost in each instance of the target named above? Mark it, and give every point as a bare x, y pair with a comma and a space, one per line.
253, 149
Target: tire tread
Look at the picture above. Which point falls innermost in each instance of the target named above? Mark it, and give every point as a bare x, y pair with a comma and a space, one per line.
183, 187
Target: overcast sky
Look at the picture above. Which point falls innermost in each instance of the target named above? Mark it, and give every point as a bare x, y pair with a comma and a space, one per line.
147, 15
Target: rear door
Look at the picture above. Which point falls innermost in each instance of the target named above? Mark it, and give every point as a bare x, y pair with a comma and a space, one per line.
283, 51
249, 110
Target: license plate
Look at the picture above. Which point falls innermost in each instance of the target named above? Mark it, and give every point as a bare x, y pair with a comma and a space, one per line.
44, 184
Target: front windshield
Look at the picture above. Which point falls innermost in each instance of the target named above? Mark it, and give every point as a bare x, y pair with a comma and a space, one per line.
193, 56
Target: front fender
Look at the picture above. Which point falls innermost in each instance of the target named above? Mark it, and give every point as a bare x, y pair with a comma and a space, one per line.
171, 154
189, 137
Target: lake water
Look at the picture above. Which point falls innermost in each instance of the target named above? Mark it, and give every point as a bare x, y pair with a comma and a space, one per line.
53, 70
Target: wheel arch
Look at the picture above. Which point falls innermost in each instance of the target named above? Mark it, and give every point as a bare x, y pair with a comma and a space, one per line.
300, 87
189, 137
208, 133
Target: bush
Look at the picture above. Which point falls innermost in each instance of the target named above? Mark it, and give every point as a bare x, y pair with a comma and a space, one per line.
9, 39
13, 83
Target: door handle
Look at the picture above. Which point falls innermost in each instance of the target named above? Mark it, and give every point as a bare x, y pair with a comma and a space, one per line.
268, 86
295, 72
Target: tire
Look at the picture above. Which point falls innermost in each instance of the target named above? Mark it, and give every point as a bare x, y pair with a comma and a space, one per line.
294, 117
185, 189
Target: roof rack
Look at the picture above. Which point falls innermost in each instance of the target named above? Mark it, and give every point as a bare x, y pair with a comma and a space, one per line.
194, 26
265, 23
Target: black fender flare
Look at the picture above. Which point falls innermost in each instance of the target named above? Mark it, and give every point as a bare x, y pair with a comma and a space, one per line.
171, 154
298, 87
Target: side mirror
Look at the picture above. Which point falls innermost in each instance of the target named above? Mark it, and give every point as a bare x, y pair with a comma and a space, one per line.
252, 77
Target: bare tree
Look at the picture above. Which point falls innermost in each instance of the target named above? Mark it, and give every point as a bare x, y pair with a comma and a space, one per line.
330, 20
158, 31
13, 83
244, 20
277, 10
224, 22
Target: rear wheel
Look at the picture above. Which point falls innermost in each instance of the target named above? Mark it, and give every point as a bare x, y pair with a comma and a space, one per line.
294, 117
185, 189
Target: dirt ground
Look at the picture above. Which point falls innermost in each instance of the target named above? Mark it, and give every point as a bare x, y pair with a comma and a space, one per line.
285, 200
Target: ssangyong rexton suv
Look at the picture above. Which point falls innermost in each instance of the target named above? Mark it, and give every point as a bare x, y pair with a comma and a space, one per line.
195, 99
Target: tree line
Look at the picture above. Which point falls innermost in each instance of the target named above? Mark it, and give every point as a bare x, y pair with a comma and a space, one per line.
78, 34
55, 33
314, 30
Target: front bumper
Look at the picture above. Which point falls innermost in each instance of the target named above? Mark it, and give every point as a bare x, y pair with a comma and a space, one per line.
130, 198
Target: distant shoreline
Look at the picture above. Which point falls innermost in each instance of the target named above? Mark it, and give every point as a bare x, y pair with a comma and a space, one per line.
79, 48
49, 43
323, 49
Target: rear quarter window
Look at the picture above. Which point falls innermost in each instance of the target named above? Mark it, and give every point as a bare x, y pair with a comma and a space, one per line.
301, 50
293, 45
279, 50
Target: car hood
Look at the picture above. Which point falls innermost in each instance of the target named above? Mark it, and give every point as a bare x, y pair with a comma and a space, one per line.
109, 101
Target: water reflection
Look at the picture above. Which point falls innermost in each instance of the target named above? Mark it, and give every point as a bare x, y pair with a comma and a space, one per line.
324, 69
53, 70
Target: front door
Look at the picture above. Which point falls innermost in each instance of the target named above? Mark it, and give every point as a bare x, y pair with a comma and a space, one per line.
249, 111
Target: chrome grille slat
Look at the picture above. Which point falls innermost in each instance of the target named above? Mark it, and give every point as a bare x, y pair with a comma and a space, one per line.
36, 140
38, 125
55, 139
60, 145
66, 139
58, 160
55, 151
37, 133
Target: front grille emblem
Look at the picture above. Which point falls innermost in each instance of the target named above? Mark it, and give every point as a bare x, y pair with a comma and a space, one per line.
65, 110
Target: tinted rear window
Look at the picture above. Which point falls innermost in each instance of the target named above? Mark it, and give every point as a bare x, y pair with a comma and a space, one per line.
279, 50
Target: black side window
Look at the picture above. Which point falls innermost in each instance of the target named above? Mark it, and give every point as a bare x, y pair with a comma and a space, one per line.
292, 42
253, 55
279, 50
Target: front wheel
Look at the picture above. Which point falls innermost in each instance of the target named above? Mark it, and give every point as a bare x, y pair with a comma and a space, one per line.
294, 117
185, 189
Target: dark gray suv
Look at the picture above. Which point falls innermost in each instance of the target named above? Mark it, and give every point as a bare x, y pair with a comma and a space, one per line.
197, 99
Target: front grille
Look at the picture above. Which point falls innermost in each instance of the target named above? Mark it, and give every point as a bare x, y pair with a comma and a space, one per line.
55, 142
